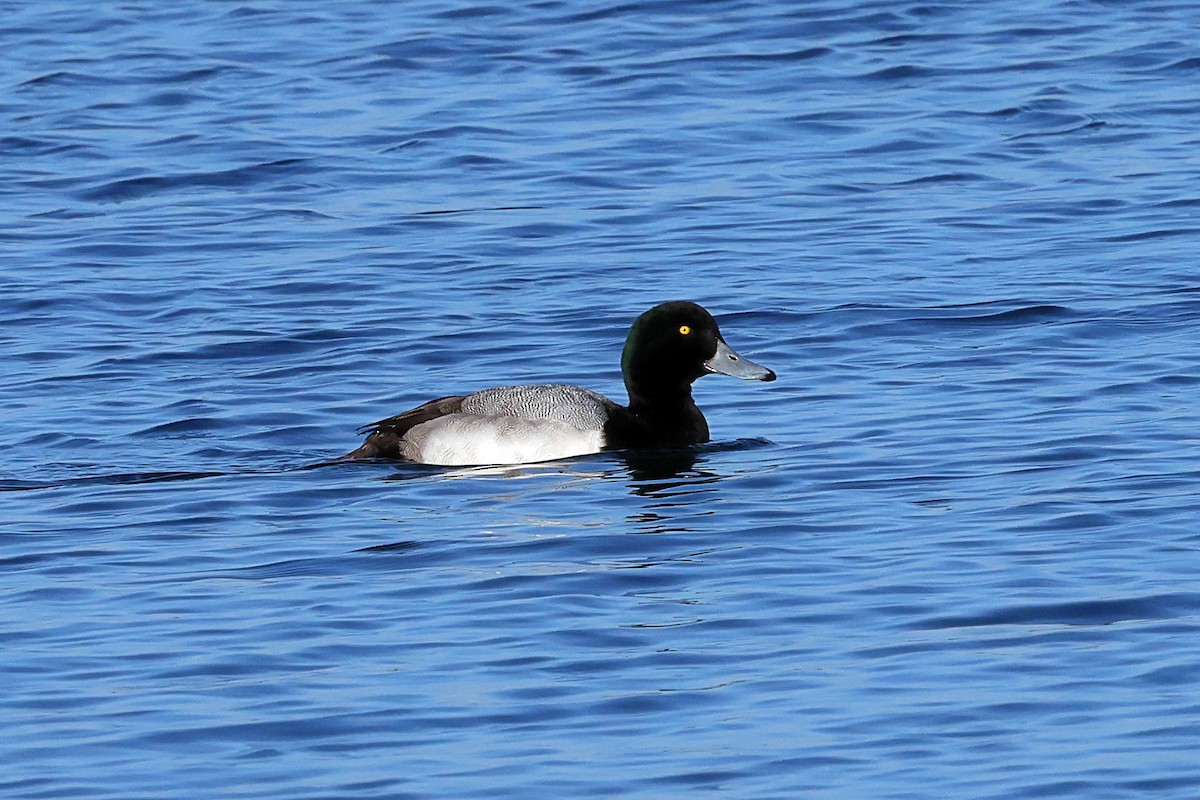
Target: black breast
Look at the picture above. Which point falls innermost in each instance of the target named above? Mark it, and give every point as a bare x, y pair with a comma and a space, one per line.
660, 425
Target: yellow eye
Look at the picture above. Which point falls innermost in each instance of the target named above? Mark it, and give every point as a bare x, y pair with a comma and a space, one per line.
685, 329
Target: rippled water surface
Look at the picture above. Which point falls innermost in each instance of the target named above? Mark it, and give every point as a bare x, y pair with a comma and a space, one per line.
952, 552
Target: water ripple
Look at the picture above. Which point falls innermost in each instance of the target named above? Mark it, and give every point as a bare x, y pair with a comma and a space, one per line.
952, 546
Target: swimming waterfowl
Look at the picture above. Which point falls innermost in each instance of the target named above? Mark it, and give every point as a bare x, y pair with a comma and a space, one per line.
668, 348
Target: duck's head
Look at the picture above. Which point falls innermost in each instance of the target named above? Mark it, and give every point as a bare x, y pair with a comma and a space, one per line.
675, 343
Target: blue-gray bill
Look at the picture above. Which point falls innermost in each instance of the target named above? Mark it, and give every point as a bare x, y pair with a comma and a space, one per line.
727, 362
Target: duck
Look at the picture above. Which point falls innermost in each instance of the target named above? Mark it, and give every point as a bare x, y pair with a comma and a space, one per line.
668, 348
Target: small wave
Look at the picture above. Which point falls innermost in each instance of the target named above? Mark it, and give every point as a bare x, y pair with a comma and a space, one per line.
1183, 65
64, 76
890, 321
238, 177
1082, 612
1161, 233
805, 54
946, 177
900, 72
1012, 316
1083, 126
113, 479
182, 428
349, 563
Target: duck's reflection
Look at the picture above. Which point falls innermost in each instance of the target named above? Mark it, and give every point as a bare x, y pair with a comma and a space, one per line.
662, 473
678, 471
651, 467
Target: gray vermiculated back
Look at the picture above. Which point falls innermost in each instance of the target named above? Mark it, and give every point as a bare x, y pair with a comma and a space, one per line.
573, 405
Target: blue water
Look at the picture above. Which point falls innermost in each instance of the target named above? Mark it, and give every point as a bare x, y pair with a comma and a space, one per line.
951, 553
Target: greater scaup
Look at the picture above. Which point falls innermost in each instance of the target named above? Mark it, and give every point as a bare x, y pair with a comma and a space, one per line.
668, 347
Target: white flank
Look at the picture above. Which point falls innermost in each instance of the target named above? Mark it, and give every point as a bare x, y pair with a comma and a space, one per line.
460, 440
